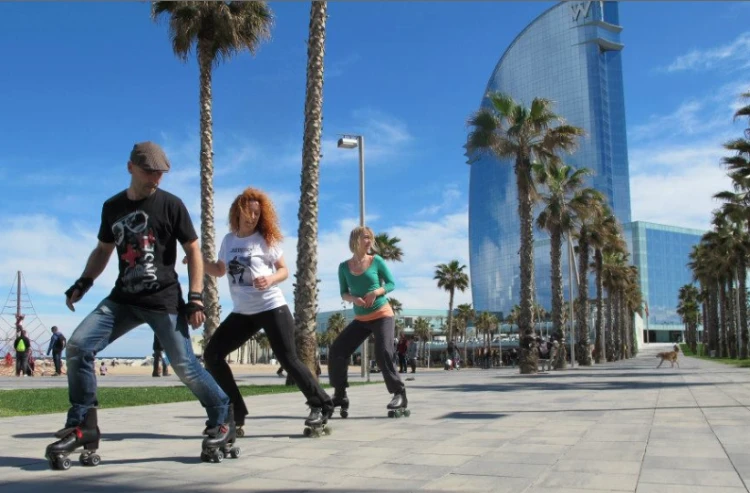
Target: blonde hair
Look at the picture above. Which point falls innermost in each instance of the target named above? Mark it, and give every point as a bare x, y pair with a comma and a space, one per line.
357, 234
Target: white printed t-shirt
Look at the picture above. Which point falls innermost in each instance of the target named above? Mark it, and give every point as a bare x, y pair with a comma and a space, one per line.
245, 259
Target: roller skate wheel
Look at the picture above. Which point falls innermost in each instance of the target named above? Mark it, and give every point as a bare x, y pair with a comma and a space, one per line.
235, 452
407, 412
307, 432
217, 456
205, 457
240, 432
327, 430
64, 464
391, 414
344, 413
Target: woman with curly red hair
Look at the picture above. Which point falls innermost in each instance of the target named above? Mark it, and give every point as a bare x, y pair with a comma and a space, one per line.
251, 254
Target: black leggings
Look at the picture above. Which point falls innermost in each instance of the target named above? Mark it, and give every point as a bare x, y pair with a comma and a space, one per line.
236, 330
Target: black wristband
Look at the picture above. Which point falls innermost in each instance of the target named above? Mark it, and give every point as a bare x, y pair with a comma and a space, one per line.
195, 296
83, 284
192, 307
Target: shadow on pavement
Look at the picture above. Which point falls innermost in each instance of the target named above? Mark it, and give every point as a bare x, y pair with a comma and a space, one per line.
116, 437
508, 412
551, 385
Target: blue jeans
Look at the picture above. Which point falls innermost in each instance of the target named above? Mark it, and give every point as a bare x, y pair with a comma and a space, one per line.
57, 358
106, 324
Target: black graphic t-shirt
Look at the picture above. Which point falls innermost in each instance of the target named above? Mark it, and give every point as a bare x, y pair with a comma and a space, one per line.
146, 233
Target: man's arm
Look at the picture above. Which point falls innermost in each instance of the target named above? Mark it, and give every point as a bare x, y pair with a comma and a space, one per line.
94, 267
195, 265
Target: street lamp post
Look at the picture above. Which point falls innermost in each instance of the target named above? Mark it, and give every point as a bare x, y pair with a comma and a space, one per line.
350, 142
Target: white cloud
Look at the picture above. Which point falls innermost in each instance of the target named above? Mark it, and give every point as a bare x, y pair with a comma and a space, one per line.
734, 55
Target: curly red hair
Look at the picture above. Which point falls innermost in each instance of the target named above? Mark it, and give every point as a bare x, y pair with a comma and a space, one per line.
268, 223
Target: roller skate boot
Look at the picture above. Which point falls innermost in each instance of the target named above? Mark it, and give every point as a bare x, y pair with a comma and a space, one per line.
84, 435
341, 401
316, 423
219, 441
397, 406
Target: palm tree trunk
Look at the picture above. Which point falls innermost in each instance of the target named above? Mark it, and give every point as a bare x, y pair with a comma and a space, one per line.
723, 331
558, 325
616, 324
582, 322
732, 312
306, 285
633, 339
598, 261
528, 355
609, 333
713, 295
624, 340
742, 281
450, 317
208, 246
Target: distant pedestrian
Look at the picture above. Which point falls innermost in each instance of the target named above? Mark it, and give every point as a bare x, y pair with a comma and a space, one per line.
56, 345
401, 348
103, 369
411, 353
22, 346
159, 359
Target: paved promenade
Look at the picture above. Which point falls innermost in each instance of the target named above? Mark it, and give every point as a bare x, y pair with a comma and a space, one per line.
615, 427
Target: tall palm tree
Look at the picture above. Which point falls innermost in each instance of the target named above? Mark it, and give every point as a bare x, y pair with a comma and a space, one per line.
219, 31
510, 131
306, 287
423, 330
388, 248
396, 306
565, 202
464, 314
451, 277
688, 309
604, 235
486, 323
583, 234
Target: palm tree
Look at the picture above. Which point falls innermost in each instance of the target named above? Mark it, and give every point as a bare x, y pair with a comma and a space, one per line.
306, 287
219, 31
510, 131
689, 310
388, 248
451, 277
604, 234
565, 201
396, 306
486, 323
464, 314
423, 330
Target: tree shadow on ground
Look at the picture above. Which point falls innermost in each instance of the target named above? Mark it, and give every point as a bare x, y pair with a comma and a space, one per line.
465, 415
549, 385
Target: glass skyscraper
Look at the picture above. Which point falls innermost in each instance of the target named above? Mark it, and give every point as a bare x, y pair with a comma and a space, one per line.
570, 54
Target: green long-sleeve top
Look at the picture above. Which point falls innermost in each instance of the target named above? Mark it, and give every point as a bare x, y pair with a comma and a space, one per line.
376, 276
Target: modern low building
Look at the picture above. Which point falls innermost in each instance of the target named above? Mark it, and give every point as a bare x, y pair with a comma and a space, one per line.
661, 254
570, 54
436, 319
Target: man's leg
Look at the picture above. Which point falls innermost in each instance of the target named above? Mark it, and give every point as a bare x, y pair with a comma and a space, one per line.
233, 332
98, 330
279, 326
172, 331
57, 358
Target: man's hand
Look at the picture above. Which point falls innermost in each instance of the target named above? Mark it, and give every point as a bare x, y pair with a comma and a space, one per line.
74, 297
194, 311
77, 290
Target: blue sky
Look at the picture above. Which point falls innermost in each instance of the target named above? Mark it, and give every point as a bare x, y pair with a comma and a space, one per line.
82, 82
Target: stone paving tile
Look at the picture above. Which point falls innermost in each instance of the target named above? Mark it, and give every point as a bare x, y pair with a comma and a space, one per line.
598, 466
585, 481
687, 477
681, 488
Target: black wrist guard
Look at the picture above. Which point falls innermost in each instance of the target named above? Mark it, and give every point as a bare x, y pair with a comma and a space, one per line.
192, 307
83, 284
195, 296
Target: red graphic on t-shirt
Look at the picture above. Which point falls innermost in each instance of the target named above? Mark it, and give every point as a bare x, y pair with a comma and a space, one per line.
130, 255
147, 241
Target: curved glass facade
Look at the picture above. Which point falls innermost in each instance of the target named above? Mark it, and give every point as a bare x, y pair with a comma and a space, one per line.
570, 54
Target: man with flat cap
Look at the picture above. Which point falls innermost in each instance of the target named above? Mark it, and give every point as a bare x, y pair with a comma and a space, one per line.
143, 224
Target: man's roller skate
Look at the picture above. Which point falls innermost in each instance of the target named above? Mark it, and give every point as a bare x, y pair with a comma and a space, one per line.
219, 442
85, 435
342, 401
316, 423
397, 406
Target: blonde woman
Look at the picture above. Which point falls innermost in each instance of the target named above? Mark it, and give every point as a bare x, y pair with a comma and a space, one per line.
364, 281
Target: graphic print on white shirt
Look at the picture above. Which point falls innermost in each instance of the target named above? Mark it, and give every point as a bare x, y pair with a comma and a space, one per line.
245, 260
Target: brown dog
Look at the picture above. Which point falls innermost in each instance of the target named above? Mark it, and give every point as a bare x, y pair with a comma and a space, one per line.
670, 356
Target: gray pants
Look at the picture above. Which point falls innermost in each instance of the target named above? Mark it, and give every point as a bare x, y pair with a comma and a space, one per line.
350, 338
